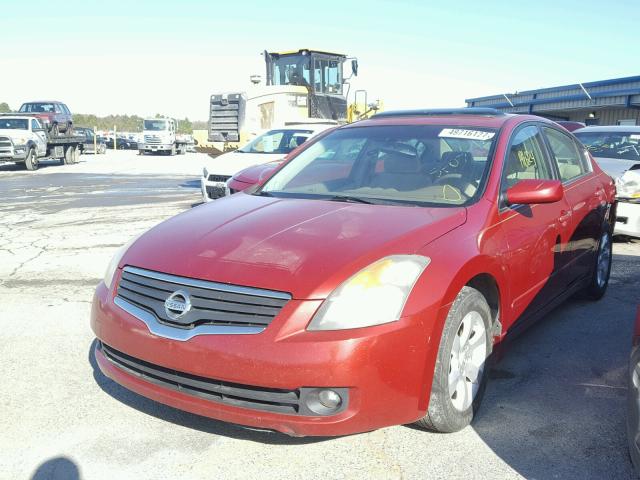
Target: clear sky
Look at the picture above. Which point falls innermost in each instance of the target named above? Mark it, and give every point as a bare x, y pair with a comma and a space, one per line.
146, 57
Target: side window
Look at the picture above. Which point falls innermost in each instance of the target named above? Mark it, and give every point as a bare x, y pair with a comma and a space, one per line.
526, 158
570, 163
34, 124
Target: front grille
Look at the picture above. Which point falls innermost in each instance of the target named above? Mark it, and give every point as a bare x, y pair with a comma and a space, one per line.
6, 145
211, 303
218, 178
215, 191
152, 139
246, 396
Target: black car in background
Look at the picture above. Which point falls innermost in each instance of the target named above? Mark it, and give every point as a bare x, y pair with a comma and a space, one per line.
89, 146
121, 143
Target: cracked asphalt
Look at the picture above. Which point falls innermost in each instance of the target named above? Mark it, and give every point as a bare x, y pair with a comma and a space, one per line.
554, 408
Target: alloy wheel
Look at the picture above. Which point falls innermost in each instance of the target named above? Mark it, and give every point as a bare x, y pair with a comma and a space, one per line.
468, 355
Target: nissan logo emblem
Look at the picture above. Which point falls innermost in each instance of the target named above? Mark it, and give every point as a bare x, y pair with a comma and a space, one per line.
177, 304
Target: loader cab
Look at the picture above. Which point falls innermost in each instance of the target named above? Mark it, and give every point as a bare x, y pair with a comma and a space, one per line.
320, 72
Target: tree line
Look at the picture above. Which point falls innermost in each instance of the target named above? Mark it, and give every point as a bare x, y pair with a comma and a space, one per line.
123, 123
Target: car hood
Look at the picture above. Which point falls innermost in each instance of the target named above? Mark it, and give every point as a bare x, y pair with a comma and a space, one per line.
13, 133
233, 162
614, 167
303, 247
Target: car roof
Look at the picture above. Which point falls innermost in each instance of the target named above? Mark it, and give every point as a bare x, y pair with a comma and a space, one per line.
444, 117
609, 128
43, 101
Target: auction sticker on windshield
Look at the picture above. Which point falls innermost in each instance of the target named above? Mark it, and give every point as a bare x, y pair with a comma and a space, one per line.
465, 133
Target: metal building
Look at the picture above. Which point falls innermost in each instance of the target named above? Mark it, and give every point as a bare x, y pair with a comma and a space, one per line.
606, 102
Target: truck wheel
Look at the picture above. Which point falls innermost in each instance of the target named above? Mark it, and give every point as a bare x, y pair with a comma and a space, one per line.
173, 150
69, 131
31, 162
55, 130
69, 155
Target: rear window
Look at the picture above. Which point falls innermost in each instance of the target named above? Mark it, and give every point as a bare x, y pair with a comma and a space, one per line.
38, 108
406, 165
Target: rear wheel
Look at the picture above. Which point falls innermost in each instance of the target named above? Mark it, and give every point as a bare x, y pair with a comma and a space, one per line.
69, 130
55, 130
31, 162
460, 375
602, 268
172, 152
70, 156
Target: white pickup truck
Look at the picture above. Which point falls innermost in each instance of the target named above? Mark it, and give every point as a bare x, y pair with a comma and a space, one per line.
24, 140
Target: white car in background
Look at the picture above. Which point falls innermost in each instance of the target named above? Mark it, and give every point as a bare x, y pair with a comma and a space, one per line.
270, 146
617, 151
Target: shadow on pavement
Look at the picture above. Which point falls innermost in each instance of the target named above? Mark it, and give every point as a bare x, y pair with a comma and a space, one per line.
555, 406
57, 468
189, 420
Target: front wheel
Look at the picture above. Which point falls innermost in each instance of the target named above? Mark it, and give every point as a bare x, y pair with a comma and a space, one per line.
31, 162
602, 268
460, 373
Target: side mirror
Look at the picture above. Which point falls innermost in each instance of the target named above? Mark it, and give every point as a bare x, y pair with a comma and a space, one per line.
354, 67
527, 192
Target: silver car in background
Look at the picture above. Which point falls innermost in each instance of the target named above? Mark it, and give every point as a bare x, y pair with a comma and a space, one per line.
617, 151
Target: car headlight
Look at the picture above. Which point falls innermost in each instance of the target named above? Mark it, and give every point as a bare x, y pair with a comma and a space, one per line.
628, 185
20, 140
115, 261
373, 296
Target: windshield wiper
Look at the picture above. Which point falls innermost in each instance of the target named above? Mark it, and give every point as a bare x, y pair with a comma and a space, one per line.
349, 199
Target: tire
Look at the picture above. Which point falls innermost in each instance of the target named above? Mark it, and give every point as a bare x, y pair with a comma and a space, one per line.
31, 162
69, 130
602, 268
452, 408
172, 152
55, 130
69, 155
102, 149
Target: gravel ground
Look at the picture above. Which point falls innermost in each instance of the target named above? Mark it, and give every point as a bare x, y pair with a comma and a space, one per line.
555, 407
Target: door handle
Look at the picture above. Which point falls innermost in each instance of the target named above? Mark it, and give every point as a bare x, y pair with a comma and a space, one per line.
565, 216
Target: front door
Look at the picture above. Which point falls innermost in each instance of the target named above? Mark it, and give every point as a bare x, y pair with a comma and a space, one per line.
536, 235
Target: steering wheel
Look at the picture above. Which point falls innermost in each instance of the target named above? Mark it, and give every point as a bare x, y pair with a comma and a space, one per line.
456, 164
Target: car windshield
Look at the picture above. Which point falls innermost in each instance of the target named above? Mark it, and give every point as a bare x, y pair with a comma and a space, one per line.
277, 141
156, 125
434, 165
38, 108
620, 145
14, 124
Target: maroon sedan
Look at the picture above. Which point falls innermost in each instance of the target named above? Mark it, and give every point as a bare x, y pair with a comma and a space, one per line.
366, 282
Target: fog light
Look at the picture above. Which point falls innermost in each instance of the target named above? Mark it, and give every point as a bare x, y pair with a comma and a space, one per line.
323, 401
329, 399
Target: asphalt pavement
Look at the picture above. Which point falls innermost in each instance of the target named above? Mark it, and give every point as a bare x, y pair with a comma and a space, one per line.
554, 408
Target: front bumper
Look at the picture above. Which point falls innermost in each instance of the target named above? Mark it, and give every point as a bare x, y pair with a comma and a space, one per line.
386, 370
155, 147
628, 218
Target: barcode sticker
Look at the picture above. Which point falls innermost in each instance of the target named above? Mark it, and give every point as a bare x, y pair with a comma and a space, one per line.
465, 133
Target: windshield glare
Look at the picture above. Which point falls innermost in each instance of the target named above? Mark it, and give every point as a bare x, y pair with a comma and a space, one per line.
14, 124
277, 141
155, 125
414, 165
620, 145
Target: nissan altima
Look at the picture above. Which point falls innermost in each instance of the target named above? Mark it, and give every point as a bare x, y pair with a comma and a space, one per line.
367, 281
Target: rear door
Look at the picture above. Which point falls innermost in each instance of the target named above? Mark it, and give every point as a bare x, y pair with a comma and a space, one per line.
536, 235
585, 196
